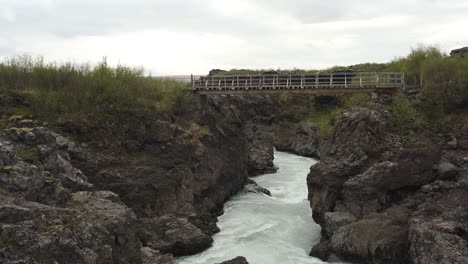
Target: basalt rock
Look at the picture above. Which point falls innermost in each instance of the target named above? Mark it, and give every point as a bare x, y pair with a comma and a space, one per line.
253, 187
438, 230
137, 182
300, 138
238, 260
384, 198
261, 152
171, 234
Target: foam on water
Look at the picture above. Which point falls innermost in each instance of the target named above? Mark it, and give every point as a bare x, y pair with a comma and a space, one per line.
277, 229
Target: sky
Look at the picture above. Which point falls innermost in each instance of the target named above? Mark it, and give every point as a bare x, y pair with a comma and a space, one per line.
175, 37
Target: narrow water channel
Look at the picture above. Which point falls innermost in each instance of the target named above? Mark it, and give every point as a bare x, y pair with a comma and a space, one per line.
268, 230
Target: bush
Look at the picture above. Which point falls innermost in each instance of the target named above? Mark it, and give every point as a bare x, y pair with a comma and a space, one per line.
68, 90
444, 78
403, 116
445, 83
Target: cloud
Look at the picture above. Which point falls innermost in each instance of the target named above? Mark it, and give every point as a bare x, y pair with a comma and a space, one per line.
193, 36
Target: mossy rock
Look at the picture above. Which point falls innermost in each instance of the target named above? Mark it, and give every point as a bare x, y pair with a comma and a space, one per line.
7, 169
28, 154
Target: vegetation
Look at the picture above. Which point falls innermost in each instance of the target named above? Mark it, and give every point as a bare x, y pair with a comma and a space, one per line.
58, 91
359, 67
444, 87
444, 78
404, 117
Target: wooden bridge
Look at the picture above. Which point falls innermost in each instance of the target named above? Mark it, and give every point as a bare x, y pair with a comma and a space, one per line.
320, 83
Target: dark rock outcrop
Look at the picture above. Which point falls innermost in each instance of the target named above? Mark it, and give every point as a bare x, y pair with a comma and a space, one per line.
377, 195
252, 186
459, 52
238, 260
261, 152
299, 138
438, 230
133, 191
49, 211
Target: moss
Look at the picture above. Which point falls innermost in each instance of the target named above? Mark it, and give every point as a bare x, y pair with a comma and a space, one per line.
28, 154
15, 117
7, 169
6, 236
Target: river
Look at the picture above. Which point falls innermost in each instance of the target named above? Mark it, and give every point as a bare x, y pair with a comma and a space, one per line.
267, 230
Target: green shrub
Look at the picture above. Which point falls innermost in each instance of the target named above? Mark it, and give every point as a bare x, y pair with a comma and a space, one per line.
403, 116
68, 90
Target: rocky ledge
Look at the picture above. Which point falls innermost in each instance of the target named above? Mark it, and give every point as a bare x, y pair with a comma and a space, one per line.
133, 191
385, 198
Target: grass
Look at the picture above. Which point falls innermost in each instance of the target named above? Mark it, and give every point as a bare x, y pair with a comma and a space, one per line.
64, 91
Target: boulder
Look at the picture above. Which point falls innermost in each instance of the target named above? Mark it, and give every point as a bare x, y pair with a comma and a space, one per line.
381, 239
253, 187
151, 256
171, 234
446, 170
237, 260
300, 138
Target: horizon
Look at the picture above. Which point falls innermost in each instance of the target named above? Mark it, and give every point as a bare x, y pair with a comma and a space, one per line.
171, 38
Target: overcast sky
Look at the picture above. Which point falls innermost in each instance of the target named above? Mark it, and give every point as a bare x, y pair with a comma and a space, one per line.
194, 36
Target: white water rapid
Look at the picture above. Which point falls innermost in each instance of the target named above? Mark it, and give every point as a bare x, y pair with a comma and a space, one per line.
268, 230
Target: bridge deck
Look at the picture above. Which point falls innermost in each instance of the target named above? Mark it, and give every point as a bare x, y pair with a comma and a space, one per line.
321, 83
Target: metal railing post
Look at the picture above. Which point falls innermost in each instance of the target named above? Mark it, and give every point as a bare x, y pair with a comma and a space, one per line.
316, 80
360, 80
331, 80
345, 80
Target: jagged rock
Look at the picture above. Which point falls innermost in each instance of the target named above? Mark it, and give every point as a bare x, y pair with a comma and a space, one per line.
447, 170
151, 256
171, 234
252, 186
378, 180
438, 231
95, 228
321, 250
336, 220
36, 163
301, 139
238, 260
261, 150
378, 186
382, 239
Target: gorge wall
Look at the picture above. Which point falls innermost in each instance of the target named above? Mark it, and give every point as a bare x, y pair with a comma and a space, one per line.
135, 190
386, 198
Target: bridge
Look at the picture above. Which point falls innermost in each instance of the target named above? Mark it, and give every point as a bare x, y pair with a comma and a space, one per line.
319, 83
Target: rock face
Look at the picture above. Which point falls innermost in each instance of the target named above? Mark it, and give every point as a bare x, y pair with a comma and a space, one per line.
49, 211
254, 112
300, 138
381, 198
261, 152
460, 52
128, 191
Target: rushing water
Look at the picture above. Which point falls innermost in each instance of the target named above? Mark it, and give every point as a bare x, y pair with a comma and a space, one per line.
277, 229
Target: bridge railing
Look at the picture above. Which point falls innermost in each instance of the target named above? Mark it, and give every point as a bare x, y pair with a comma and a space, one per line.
341, 80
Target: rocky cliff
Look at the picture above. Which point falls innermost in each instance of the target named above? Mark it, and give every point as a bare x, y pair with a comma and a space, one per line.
132, 190
385, 198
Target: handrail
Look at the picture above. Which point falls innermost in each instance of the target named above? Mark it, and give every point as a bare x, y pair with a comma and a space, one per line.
336, 80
